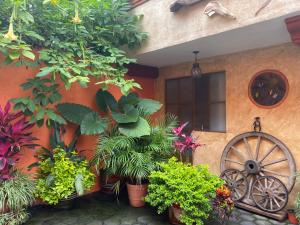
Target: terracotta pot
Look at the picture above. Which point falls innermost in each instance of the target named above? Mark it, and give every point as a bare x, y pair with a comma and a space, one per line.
136, 194
292, 217
174, 214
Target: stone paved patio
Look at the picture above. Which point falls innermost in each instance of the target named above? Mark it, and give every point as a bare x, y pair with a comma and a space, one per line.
103, 210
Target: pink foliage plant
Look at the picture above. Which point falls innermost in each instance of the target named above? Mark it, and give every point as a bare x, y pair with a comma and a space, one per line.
13, 136
184, 142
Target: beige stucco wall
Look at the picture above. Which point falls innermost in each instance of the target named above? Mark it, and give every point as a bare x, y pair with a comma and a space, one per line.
282, 122
190, 23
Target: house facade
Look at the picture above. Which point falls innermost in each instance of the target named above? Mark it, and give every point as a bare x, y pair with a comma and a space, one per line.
242, 44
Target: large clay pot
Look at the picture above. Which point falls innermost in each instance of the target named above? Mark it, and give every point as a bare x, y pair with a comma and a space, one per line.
136, 194
292, 217
174, 214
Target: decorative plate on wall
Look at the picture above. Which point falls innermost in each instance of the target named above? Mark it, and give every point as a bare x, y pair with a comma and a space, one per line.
268, 88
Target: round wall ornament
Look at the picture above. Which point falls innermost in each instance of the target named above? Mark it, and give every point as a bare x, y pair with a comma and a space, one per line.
268, 88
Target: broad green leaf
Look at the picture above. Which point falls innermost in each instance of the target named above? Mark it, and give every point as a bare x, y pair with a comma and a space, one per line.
149, 106
28, 54
92, 124
45, 71
14, 55
138, 129
73, 112
131, 115
105, 101
53, 116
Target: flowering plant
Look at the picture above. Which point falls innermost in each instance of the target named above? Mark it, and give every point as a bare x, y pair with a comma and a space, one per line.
183, 141
13, 136
223, 204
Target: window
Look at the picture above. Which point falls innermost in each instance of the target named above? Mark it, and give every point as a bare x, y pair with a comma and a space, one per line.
201, 101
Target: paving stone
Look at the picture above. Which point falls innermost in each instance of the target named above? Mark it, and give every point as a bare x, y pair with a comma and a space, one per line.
263, 222
128, 221
247, 223
247, 217
112, 221
145, 219
96, 222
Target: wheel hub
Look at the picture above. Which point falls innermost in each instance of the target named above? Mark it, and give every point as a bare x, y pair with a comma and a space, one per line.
252, 167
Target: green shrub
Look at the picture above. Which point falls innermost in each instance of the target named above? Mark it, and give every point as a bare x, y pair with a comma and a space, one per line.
61, 177
190, 187
16, 194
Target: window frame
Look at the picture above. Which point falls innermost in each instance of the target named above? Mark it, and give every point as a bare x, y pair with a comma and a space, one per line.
194, 112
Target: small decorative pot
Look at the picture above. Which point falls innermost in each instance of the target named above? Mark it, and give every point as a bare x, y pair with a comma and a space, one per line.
292, 217
175, 213
136, 194
68, 203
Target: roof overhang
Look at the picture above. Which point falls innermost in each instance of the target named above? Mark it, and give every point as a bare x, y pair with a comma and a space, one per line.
259, 35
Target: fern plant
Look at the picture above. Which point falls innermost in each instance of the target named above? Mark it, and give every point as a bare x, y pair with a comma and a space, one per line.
135, 158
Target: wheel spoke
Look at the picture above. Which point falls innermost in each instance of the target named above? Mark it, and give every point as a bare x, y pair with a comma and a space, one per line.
233, 161
275, 162
257, 148
281, 199
268, 153
275, 173
271, 204
276, 202
238, 152
248, 147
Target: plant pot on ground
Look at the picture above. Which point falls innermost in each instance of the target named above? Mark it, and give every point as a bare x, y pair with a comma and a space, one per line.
134, 156
137, 193
175, 212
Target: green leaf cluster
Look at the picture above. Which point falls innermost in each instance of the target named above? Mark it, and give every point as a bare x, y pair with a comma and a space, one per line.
39, 105
61, 177
72, 50
129, 113
190, 187
136, 157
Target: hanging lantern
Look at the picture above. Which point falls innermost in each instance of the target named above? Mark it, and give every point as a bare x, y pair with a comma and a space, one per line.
196, 70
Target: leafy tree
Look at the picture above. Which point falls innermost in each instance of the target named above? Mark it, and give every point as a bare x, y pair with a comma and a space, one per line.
74, 40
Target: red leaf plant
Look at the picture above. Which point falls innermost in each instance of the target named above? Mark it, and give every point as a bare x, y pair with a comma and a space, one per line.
183, 141
13, 136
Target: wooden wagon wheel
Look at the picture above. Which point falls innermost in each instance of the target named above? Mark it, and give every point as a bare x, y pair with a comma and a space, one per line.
269, 194
236, 182
259, 154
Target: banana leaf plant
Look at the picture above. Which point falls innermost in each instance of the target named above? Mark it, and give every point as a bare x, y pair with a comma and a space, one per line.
130, 114
14, 135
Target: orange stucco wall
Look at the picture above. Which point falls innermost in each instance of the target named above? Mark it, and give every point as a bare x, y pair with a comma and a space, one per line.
10, 79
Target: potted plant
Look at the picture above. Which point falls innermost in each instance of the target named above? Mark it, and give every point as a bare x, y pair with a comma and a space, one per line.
134, 158
16, 190
186, 190
61, 178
